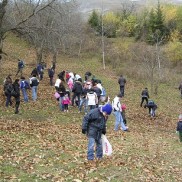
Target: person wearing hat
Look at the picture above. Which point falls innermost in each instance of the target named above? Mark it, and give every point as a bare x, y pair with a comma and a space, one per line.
179, 127
94, 125
117, 113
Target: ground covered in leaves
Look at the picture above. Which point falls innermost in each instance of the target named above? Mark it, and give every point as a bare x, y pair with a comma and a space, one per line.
44, 144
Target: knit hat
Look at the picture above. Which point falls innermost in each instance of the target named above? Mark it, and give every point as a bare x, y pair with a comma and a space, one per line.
107, 109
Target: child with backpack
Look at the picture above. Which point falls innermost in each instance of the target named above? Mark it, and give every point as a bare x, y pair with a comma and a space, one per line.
152, 107
179, 127
24, 85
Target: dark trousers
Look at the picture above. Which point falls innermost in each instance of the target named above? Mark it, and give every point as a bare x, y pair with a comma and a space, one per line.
17, 104
180, 136
51, 81
73, 98
65, 106
122, 90
144, 99
8, 100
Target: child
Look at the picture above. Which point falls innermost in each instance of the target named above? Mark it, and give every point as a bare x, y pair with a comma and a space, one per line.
145, 96
123, 107
65, 102
152, 107
179, 127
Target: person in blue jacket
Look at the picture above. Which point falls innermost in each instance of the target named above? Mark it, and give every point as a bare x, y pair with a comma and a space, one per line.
94, 125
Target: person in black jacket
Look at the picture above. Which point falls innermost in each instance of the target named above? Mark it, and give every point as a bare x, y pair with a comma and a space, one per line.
77, 91
179, 127
34, 82
16, 87
94, 125
180, 88
152, 107
122, 82
145, 96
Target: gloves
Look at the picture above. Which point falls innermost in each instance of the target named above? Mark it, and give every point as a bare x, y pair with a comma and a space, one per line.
103, 132
83, 131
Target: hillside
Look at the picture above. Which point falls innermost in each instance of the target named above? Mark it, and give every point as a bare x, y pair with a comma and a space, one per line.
44, 144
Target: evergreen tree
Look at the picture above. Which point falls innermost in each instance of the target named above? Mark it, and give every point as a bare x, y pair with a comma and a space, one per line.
94, 20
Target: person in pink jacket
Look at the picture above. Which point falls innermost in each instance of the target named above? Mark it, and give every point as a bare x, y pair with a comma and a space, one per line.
66, 101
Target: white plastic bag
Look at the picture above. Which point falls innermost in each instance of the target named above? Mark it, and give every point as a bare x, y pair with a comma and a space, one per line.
106, 146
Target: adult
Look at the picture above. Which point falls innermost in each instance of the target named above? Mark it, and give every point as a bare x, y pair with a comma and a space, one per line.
7, 90
145, 96
34, 72
51, 75
61, 75
117, 113
87, 75
98, 91
94, 125
77, 91
24, 85
34, 82
16, 88
152, 107
57, 83
21, 65
122, 82
40, 70
180, 88
84, 100
62, 92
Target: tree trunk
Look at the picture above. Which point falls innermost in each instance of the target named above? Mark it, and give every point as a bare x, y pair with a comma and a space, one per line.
39, 53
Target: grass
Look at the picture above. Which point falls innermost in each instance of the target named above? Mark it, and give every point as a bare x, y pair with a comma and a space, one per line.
45, 144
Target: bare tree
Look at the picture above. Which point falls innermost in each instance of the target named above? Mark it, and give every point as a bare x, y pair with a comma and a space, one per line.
14, 14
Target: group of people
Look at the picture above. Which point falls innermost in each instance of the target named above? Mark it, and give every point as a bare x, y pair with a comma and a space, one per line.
70, 89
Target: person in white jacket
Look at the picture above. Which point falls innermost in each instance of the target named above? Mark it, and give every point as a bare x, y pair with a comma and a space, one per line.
117, 113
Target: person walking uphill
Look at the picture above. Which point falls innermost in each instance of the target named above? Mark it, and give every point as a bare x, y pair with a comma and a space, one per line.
180, 88
179, 127
145, 96
34, 82
16, 88
122, 82
94, 125
117, 113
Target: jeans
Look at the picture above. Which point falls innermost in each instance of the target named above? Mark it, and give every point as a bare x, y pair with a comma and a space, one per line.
91, 143
25, 96
119, 121
61, 106
74, 96
34, 93
152, 112
84, 102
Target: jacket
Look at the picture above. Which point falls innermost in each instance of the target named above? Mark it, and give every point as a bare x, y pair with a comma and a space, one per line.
116, 104
16, 87
121, 81
94, 123
145, 93
34, 81
77, 88
179, 126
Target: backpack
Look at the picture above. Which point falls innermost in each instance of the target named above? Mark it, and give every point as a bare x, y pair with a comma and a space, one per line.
20, 64
27, 86
150, 102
